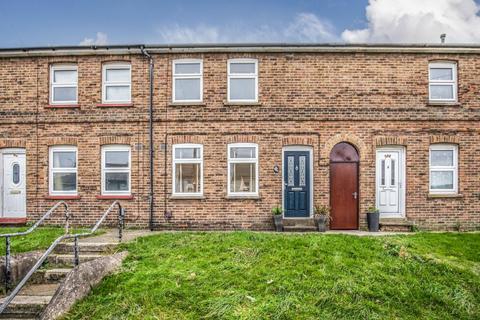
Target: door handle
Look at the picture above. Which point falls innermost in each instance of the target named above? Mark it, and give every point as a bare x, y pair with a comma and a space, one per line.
355, 195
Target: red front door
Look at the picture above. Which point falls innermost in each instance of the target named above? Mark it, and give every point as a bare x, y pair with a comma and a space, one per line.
344, 162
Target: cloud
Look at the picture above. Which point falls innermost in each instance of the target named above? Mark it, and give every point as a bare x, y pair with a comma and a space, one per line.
307, 27
198, 34
304, 27
418, 21
100, 40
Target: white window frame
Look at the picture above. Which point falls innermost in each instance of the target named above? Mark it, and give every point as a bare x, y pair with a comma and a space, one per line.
52, 170
187, 161
191, 76
117, 147
242, 160
454, 168
63, 67
242, 76
451, 83
105, 83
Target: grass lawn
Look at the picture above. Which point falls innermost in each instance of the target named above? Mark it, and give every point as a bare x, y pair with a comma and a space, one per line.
40, 238
246, 275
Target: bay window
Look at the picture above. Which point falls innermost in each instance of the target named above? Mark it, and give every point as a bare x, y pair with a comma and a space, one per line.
187, 169
243, 169
443, 168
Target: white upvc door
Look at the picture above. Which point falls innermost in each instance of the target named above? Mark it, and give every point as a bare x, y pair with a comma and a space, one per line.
13, 182
390, 176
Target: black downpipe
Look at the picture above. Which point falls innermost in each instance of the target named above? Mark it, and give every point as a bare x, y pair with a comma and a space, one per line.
150, 134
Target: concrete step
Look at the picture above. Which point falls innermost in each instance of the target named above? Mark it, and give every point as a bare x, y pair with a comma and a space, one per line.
45, 276
299, 229
299, 222
25, 306
67, 259
89, 248
396, 224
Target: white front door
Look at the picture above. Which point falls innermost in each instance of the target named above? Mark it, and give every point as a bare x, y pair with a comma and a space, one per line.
390, 182
13, 182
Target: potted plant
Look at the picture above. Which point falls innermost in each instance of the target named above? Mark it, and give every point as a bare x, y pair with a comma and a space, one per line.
322, 215
277, 218
373, 218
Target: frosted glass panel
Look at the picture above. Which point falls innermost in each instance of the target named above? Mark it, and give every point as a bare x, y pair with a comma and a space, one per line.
242, 89
64, 76
187, 89
441, 74
242, 68
187, 68
441, 180
118, 75
118, 93
441, 158
64, 94
441, 92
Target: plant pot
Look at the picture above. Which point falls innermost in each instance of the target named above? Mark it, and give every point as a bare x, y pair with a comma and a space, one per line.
278, 220
321, 222
373, 219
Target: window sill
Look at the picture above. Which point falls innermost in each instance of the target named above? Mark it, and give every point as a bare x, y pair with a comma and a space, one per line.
444, 195
234, 197
62, 106
115, 105
13, 220
187, 104
63, 197
444, 103
180, 197
239, 103
115, 197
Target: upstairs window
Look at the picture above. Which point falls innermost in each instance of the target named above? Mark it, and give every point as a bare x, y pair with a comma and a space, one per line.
187, 169
242, 80
116, 83
443, 81
116, 170
443, 168
242, 169
63, 170
187, 80
63, 84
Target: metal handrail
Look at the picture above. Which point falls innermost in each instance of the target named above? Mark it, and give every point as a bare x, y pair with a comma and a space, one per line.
38, 264
7, 237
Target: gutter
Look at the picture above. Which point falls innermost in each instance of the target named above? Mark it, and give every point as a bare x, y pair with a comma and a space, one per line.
150, 138
236, 48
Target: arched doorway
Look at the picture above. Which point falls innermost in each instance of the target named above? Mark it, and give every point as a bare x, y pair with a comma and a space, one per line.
344, 162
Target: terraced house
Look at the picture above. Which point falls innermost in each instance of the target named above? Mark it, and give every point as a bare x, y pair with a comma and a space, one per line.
214, 136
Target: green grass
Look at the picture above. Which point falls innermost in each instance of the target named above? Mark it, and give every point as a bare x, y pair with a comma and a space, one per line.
245, 275
40, 238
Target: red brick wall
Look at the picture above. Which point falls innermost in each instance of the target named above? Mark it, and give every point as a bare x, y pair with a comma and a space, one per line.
317, 99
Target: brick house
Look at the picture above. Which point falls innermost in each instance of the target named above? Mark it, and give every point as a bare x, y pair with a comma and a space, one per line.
238, 129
